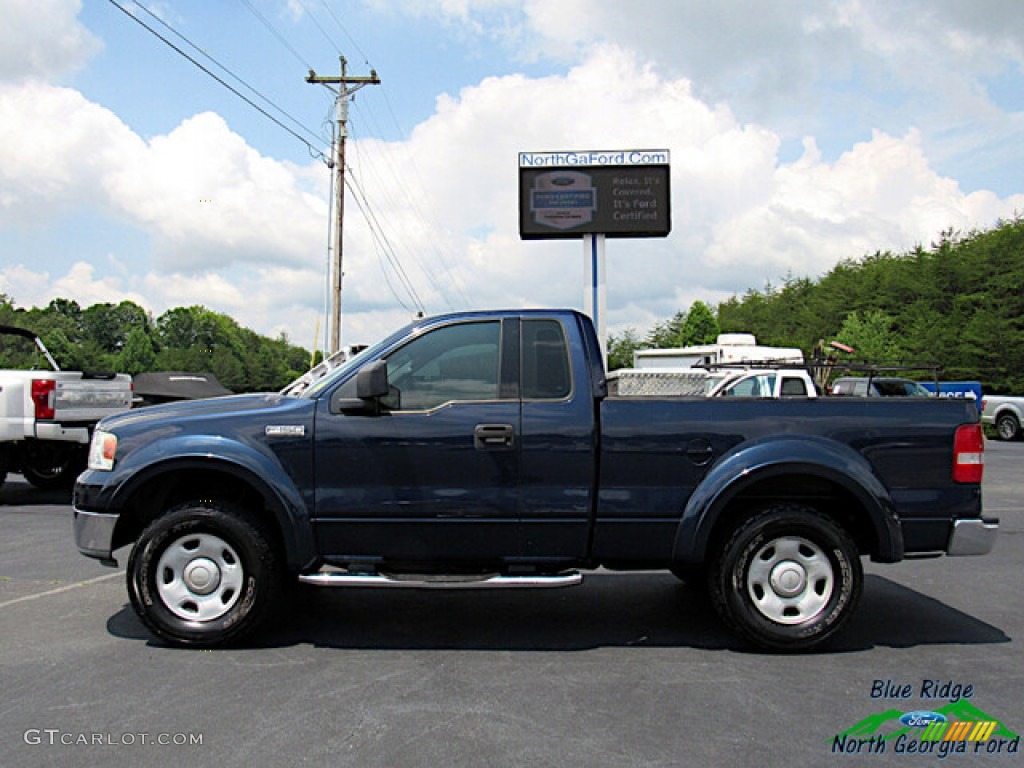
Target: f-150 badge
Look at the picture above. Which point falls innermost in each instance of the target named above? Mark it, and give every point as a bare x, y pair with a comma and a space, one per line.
285, 430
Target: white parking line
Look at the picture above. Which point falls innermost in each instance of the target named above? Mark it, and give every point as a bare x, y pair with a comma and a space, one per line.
58, 590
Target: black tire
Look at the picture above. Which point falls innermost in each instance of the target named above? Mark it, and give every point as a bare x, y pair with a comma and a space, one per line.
203, 575
52, 465
1007, 426
787, 579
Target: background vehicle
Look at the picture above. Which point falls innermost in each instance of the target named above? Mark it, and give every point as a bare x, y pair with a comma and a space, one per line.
1005, 413
729, 348
482, 450
714, 382
879, 386
170, 386
46, 414
774, 383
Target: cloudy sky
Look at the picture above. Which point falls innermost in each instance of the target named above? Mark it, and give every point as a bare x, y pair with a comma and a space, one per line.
801, 133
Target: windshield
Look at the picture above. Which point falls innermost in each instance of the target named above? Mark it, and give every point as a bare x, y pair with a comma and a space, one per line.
353, 363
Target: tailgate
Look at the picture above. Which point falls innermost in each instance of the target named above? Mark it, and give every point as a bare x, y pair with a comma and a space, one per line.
81, 400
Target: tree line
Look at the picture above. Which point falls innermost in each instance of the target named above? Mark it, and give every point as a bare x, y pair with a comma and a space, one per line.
958, 303
125, 338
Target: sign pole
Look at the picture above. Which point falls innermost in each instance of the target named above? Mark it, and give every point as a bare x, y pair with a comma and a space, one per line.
595, 294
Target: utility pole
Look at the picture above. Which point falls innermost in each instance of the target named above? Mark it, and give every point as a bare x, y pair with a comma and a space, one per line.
346, 86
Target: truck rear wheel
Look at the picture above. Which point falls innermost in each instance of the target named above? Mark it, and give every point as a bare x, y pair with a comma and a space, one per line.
1007, 427
787, 579
52, 465
202, 575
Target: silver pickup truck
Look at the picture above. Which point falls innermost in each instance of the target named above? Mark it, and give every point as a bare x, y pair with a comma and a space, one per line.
47, 415
1005, 413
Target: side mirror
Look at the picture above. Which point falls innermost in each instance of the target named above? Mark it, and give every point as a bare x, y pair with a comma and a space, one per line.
362, 394
372, 380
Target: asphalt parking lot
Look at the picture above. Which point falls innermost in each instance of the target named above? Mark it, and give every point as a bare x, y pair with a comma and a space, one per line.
626, 670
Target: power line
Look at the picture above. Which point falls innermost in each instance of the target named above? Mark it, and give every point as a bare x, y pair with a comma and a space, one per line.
344, 31
381, 237
316, 23
411, 206
314, 151
408, 163
275, 33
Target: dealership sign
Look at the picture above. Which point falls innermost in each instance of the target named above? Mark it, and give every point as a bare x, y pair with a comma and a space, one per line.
622, 193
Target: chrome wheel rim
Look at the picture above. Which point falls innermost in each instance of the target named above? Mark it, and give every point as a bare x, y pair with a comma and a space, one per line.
1007, 429
790, 580
199, 577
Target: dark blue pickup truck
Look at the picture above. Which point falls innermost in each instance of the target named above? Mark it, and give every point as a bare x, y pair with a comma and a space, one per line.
483, 449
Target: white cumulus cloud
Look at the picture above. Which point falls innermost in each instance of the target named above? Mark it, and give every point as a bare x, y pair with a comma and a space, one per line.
43, 39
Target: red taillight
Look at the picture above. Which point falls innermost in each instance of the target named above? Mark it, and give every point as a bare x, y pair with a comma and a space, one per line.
968, 454
44, 395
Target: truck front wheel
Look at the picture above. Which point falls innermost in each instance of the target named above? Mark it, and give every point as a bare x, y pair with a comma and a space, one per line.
202, 575
787, 579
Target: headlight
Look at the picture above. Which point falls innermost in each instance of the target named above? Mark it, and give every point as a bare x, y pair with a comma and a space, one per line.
102, 451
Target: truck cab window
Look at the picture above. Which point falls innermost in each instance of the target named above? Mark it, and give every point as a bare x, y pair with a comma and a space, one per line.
793, 388
546, 373
456, 362
753, 386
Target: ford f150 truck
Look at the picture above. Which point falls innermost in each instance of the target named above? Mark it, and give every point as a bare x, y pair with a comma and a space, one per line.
1005, 413
46, 414
482, 450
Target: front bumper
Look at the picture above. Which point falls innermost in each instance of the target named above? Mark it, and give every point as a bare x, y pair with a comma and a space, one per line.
975, 536
94, 533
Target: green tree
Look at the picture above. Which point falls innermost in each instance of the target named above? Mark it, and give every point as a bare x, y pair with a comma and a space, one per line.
229, 370
621, 348
68, 356
138, 354
667, 334
265, 371
871, 334
699, 327
108, 326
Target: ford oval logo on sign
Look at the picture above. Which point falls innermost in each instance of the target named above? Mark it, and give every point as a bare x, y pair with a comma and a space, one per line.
922, 718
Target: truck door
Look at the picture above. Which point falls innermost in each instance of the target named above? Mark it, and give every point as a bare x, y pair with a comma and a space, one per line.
434, 475
558, 446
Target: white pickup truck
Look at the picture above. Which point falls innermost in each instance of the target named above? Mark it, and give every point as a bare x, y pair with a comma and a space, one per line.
1006, 413
47, 416
701, 382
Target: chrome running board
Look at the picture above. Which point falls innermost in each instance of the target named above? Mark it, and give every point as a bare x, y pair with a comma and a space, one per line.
486, 581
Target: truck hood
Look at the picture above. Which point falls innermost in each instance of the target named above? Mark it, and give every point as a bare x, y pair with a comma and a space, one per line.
212, 408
